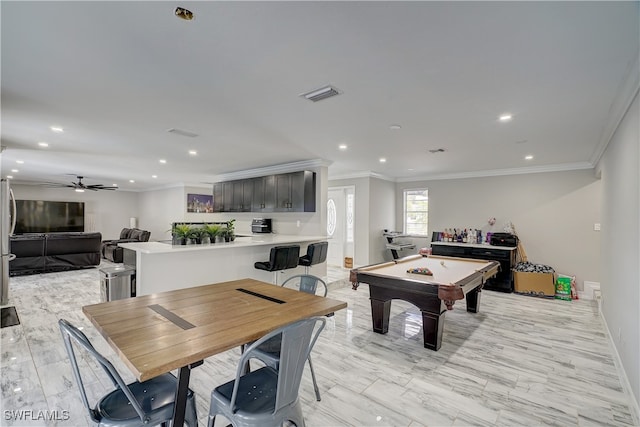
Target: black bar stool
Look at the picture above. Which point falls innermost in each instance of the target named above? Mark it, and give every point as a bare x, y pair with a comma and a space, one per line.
316, 254
280, 258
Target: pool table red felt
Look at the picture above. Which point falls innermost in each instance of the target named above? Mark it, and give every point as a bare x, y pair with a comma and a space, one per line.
453, 279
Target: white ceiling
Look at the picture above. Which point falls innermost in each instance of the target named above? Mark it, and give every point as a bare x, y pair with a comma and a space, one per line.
117, 75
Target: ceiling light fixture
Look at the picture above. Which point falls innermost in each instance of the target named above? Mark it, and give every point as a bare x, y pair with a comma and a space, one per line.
114, 185
9, 176
163, 161
79, 190
505, 117
395, 127
528, 157
342, 147
184, 14
43, 144
56, 129
193, 153
154, 176
383, 160
20, 162
15, 170
131, 181
321, 93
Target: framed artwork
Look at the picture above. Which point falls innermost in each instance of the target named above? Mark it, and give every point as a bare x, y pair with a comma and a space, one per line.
200, 203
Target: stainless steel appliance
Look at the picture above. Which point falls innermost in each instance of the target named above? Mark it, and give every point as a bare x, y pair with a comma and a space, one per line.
261, 225
7, 225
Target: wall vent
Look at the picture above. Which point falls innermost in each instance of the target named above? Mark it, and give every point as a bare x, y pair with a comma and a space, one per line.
321, 93
182, 132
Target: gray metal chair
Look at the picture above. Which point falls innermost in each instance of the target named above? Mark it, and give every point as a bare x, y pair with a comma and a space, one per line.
269, 352
136, 404
268, 396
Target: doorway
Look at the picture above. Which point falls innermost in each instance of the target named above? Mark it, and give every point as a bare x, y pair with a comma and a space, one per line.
340, 224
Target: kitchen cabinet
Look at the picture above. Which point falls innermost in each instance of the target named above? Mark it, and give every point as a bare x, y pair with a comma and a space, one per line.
295, 192
264, 194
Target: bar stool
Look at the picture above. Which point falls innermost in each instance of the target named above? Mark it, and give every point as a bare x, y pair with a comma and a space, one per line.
280, 258
316, 254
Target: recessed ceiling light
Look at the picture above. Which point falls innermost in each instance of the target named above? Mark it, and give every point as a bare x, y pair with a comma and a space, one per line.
505, 117
383, 160
163, 161
342, 147
193, 153
131, 181
43, 144
410, 169
20, 162
9, 176
528, 157
154, 176
395, 127
15, 170
56, 129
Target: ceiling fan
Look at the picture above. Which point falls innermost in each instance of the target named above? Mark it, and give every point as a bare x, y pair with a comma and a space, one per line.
80, 186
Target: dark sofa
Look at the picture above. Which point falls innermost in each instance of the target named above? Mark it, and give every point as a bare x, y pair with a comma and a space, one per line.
110, 249
49, 252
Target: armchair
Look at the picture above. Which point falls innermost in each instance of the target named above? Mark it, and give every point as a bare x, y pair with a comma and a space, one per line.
110, 249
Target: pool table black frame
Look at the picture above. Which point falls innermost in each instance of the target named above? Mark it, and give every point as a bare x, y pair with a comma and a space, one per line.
432, 299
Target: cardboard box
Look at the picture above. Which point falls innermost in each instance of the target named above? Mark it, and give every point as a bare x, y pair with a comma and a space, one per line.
540, 284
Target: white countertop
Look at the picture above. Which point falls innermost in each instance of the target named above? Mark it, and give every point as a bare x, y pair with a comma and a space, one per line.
475, 245
239, 242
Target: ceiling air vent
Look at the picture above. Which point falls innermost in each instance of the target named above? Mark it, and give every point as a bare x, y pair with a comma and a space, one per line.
437, 150
321, 93
182, 132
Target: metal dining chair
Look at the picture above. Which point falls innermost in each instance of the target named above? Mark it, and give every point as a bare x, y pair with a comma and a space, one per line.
268, 396
269, 352
136, 404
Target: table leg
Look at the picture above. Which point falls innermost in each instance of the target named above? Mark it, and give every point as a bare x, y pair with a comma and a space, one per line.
432, 326
380, 311
180, 404
473, 300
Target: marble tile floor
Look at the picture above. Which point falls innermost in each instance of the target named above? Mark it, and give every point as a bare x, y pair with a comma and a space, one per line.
521, 361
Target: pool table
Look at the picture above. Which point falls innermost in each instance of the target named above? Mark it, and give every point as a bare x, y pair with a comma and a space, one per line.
452, 279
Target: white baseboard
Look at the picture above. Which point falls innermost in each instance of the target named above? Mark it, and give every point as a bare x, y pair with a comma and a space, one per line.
589, 290
626, 385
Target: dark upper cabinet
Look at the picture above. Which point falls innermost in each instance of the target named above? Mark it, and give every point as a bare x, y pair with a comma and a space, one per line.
264, 194
289, 192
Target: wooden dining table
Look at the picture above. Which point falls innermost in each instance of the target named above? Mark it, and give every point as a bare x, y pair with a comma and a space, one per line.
155, 334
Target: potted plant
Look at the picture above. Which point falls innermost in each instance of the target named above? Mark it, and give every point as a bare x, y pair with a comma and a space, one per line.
231, 233
211, 230
193, 237
180, 233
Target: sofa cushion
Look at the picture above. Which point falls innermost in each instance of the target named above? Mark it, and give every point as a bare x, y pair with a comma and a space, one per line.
126, 233
140, 235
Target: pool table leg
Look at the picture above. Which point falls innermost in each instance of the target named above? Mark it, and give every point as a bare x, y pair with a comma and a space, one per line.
380, 311
432, 326
473, 300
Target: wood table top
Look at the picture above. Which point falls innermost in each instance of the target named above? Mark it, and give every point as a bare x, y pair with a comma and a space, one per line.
154, 334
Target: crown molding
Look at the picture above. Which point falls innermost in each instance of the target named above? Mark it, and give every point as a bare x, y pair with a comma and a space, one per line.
503, 172
271, 170
627, 92
363, 174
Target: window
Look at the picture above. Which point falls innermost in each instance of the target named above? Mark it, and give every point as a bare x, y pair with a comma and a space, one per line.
416, 212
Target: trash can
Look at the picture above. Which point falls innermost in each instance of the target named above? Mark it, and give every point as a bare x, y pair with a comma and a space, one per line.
117, 283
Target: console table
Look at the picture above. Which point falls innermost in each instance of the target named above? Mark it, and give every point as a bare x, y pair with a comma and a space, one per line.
506, 256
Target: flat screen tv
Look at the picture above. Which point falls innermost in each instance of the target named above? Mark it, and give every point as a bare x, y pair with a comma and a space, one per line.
40, 216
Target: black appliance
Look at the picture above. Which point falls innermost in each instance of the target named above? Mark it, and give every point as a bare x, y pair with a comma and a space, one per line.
261, 225
504, 239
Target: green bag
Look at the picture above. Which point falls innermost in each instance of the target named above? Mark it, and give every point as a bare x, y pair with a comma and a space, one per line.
563, 288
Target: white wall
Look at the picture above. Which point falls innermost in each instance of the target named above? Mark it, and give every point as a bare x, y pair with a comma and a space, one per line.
554, 214
158, 209
620, 282
382, 215
105, 211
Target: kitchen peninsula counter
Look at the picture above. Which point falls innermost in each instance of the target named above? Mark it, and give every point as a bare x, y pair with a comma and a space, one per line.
163, 267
